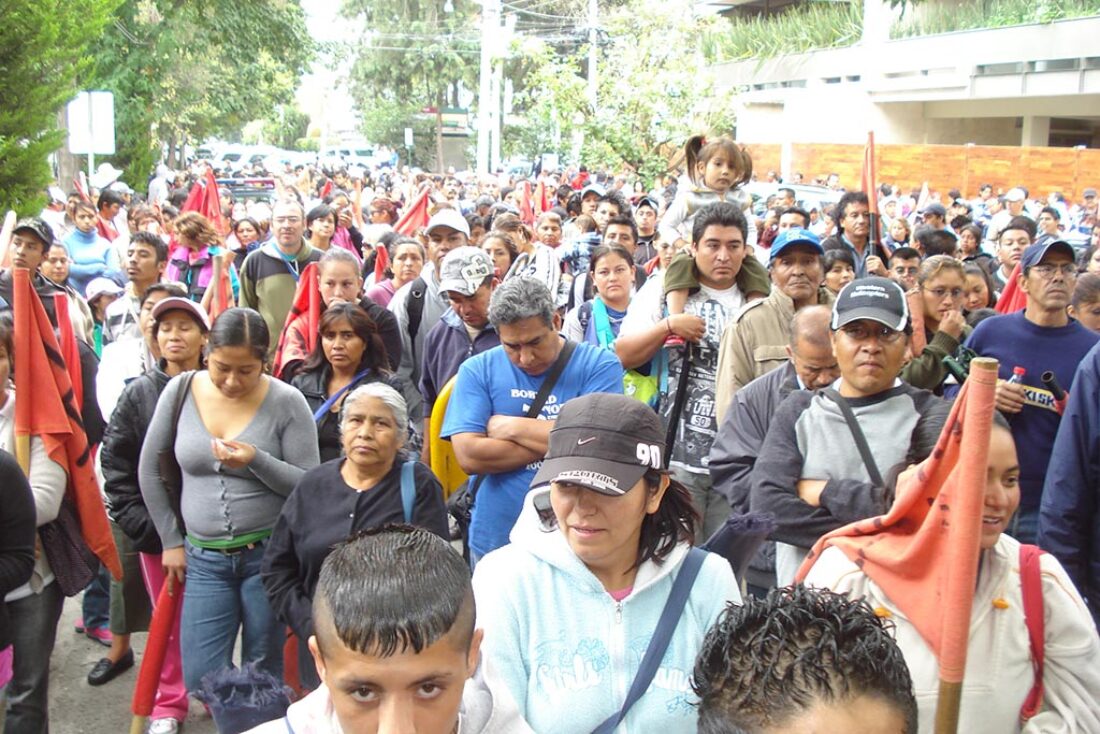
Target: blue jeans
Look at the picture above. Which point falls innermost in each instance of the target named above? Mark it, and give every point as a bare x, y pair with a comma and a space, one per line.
1024, 525
96, 604
33, 624
224, 594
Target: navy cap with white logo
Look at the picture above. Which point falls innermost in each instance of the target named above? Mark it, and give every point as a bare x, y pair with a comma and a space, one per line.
603, 442
874, 298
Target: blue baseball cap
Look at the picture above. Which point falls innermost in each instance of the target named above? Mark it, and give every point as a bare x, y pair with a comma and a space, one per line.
795, 236
1034, 254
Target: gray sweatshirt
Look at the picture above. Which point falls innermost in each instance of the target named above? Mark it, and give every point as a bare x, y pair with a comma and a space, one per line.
219, 503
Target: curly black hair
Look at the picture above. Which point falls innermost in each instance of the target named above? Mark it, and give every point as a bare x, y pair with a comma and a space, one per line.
770, 660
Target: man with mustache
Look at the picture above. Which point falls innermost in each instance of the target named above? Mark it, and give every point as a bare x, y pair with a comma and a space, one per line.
810, 473
755, 341
1040, 338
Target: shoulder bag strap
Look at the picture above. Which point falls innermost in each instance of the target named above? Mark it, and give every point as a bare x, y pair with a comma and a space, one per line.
662, 635
857, 434
551, 378
1031, 585
408, 489
535, 407
414, 306
327, 405
602, 322
181, 400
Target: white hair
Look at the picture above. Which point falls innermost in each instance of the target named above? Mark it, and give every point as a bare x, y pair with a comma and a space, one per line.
389, 397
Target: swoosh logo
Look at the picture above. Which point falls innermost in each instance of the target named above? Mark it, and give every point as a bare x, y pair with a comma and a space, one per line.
583, 441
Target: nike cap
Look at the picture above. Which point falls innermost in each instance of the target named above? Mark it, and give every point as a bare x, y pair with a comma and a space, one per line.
603, 442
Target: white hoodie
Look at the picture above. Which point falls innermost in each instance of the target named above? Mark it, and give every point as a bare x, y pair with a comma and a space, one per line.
998, 672
564, 652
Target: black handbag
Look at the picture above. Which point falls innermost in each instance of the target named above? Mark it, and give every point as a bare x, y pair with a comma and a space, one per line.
460, 505
73, 563
171, 476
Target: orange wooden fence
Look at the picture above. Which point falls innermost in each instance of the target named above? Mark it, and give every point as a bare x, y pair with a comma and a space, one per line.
944, 167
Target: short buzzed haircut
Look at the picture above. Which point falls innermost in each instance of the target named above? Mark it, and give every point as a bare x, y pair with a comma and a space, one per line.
719, 214
624, 220
519, 298
937, 241
152, 241
391, 590
766, 662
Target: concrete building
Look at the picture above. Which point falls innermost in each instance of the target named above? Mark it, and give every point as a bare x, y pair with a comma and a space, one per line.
1030, 85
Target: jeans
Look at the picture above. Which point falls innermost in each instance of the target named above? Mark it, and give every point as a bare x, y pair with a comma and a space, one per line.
223, 594
33, 623
96, 604
713, 508
1024, 525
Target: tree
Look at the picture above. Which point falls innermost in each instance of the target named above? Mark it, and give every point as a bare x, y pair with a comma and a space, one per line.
414, 56
655, 91
187, 70
43, 53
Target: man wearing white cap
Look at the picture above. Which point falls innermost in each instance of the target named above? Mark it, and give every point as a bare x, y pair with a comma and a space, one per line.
420, 304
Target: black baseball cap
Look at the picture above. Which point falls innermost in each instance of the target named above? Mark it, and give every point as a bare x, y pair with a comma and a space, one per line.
875, 298
648, 201
603, 442
36, 226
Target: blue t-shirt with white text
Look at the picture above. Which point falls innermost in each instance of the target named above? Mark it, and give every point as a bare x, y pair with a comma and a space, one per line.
489, 384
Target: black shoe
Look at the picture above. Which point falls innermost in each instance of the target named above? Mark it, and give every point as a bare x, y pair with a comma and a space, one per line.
105, 671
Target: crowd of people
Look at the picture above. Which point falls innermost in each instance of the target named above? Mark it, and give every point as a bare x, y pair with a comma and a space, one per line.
624, 372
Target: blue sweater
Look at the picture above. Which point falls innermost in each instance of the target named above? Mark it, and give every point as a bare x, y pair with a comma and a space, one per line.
1069, 519
90, 257
1015, 341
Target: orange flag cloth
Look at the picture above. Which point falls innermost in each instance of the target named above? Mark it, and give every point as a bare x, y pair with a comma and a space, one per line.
48, 409
299, 337
923, 553
1012, 297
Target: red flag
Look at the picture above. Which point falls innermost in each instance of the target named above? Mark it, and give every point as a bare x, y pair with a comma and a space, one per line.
381, 262
48, 409
416, 216
526, 207
165, 614
1012, 297
221, 288
80, 182
542, 201
70, 352
299, 337
205, 199
327, 188
923, 553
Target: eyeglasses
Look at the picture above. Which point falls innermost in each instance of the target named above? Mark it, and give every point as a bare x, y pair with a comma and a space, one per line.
940, 293
1046, 271
863, 332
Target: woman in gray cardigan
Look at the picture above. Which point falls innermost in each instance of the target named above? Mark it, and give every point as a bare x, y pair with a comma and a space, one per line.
243, 441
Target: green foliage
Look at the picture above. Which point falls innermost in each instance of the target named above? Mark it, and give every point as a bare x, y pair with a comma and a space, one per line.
384, 122
285, 125
800, 28
185, 71
414, 56
655, 91
44, 48
931, 19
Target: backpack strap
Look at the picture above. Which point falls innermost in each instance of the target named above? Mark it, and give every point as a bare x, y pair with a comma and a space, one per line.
414, 309
1031, 585
662, 635
408, 489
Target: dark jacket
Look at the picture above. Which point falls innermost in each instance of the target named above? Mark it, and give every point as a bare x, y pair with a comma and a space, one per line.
1069, 515
323, 511
446, 347
119, 456
839, 242
18, 531
314, 386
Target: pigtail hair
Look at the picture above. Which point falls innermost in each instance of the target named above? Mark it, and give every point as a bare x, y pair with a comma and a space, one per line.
689, 156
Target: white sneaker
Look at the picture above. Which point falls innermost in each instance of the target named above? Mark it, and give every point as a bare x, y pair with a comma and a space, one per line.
164, 726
